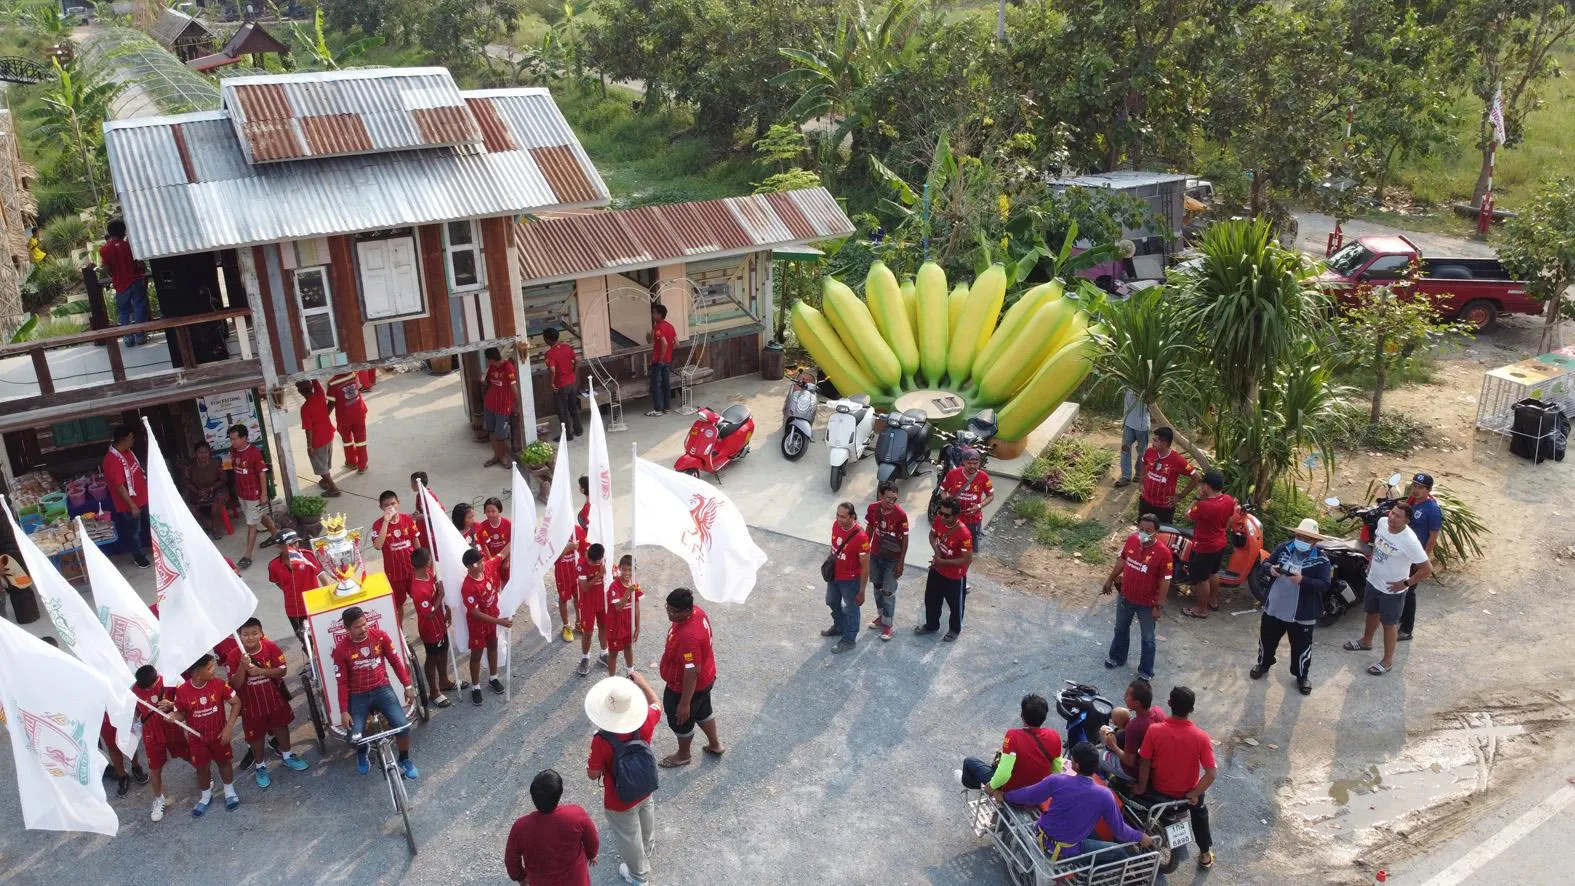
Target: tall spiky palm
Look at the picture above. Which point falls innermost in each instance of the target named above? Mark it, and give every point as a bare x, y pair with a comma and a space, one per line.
1252, 303
74, 107
1145, 348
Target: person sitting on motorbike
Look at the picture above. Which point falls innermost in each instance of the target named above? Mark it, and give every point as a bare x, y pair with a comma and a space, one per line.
1027, 755
1122, 744
1077, 804
1173, 755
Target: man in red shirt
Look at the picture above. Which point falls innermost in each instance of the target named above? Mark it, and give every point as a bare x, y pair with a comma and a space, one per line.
563, 374
128, 488
432, 623
247, 467
161, 739
127, 278
319, 428
1027, 754
495, 536
624, 729
688, 669
256, 674
1124, 744
886, 525
294, 572
1163, 469
663, 338
360, 656
555, 845
200, 703
971, 486
948, 578
344, 395
394, 534
850, 556
480, 593
1144, 572
1173, 753
497, 406
1210, 515
590, 602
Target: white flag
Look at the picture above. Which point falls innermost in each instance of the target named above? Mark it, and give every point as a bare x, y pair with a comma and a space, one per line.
449, 548
132, 626
200, 598
1496, 116
525, 579
557, 524
600, 530
53, 721
694, 520
78, 630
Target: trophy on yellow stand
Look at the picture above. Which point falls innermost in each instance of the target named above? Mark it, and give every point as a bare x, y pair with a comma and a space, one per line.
339, 550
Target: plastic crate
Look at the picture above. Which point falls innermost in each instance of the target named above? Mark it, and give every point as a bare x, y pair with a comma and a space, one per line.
1533, 379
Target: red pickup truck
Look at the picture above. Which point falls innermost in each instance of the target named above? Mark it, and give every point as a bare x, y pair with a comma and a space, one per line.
1474, 290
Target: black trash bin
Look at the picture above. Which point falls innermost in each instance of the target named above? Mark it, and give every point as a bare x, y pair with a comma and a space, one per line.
1534, 430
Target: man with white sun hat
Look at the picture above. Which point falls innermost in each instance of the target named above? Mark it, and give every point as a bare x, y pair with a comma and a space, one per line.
622, 760
1301, 574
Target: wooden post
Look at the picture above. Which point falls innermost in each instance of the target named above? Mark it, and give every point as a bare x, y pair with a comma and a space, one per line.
98, 314
188, 355
117, 361
277, 419
46, 384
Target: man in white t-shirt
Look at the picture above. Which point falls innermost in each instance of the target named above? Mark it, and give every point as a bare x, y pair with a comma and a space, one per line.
1395, 550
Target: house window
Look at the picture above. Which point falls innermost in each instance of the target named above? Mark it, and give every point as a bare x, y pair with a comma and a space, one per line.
462, 243
390, 278
317, 311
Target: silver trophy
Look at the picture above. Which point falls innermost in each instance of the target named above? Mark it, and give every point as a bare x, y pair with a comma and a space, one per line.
339, 552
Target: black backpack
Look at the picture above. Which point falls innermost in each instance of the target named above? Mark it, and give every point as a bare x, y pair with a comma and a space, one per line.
633, 767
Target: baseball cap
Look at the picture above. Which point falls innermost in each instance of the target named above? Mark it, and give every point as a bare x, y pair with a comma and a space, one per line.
1423, 480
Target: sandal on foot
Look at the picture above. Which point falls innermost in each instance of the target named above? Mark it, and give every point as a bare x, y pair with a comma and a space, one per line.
244, 563
1192, 612
1402, 636
1206, 860
1214, 607
1380, 669
716, 752
1353, 646
673, 762
492, 462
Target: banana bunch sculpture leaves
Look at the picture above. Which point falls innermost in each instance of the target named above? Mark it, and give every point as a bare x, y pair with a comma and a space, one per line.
920, 335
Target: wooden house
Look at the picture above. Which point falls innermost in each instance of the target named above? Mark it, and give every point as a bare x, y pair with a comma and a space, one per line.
185, 37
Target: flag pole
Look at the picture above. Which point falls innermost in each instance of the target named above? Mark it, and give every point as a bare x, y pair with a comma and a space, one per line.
634, 514
453, 660
168, 718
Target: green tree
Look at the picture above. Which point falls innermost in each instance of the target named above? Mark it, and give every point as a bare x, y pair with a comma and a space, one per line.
1380, 333
458, 32
1539, 247
73, 108
1508, 47
1146, 347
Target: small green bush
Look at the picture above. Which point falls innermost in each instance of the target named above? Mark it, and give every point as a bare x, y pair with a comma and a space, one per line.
63, 234
1071, 467
47, 283
1029, 507
1068, 532
1396, 433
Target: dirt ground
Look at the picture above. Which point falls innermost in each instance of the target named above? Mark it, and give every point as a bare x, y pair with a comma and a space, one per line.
1378, 770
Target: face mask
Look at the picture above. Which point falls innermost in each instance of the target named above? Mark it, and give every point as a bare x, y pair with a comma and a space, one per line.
1145, 537
1302, 546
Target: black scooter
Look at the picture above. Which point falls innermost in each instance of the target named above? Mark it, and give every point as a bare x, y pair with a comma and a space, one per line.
903, 448
1350, 557
1084, 710
977, 436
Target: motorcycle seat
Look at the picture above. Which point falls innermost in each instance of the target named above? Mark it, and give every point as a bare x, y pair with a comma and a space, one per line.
861, 399
1352, 545
984, 424
732, 418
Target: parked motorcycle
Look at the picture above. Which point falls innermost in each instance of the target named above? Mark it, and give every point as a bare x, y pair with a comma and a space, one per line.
903, 448
849, 433
1350, 557
715, 441
978, 436
798, 416
1245, 565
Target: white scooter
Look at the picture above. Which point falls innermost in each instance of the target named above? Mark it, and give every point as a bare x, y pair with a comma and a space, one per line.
849, 433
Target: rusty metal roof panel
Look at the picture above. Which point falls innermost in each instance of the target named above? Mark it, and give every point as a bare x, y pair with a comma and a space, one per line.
602, 242
398, 109
757, 219
567, 176
494, 132
534, 123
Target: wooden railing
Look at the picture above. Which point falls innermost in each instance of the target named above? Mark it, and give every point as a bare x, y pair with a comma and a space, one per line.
179, 327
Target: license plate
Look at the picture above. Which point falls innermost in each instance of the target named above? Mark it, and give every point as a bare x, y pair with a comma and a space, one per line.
1179, 833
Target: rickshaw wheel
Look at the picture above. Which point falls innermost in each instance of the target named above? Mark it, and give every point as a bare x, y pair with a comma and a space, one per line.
314, 707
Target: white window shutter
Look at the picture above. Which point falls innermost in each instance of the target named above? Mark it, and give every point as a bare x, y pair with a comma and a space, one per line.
375, 290
404, 278
595, 331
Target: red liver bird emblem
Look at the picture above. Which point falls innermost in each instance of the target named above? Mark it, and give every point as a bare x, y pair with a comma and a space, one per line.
703, 510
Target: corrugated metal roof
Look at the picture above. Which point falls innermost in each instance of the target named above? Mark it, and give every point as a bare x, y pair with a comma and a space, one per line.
1120, 179
334, 113
172, 24
226, 201
610, 242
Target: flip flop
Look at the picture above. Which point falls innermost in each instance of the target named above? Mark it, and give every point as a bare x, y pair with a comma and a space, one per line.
1214, 607
708, 750
670, 763
491, 462
1192, 612
1380, 669
244, 563
1353, 646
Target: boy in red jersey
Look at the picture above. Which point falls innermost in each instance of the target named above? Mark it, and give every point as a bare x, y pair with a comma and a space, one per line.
160, 739
394, 534
566, 575
480, 593
248, 469
563, 373
497, 406
622, 618
494, 534
210, 707
257, 674
432, 621
589, 604
319, 427
971, 486
294, 572
419, 479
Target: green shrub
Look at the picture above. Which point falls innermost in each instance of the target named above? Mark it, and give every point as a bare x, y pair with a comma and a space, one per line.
47, 283
1071, 467
1029, 506
64, 233
1396, 433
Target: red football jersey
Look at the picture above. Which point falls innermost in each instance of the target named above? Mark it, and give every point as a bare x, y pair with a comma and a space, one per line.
204, 706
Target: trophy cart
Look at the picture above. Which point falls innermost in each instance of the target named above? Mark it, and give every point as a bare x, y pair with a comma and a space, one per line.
339, 552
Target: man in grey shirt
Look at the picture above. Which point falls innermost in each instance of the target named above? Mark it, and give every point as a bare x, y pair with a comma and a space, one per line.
1134, 432
1301, 574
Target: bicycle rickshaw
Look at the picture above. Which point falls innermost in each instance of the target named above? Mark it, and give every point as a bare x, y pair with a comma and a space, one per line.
319, 679
1014, 832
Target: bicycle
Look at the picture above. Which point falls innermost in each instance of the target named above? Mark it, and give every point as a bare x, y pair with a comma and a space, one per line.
379, 747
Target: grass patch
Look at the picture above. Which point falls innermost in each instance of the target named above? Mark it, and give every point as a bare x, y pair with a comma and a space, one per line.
1396, 433
1071, 467
1029, 507
1075, 535
1289, 506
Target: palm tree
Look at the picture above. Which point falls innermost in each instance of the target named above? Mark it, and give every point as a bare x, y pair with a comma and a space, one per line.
1147, 349
75, 106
